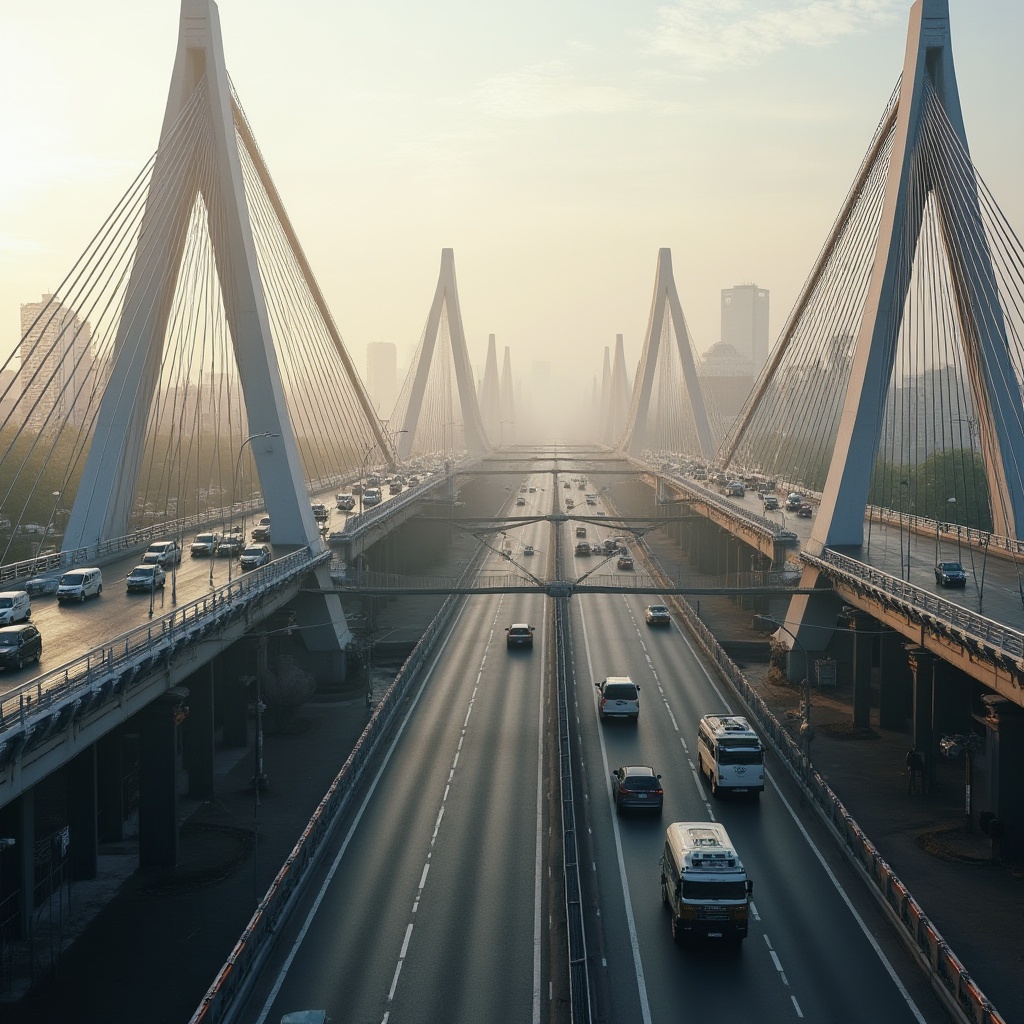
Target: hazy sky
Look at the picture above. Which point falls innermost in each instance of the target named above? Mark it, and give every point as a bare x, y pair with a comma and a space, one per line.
554, 145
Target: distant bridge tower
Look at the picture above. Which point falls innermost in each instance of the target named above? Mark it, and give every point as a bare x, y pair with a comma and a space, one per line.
604, 420
666, 321
490, 408
507, 389
104, 499
618, 395
444, 321
927, 68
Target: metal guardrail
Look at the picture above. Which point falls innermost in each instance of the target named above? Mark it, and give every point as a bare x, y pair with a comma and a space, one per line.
53, 699
224, 996
947, 975
921, 604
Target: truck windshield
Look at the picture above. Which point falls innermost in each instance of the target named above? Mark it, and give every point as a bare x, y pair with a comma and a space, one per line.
719, 889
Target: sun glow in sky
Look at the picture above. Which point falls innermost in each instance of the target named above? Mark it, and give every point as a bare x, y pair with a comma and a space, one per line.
555, 147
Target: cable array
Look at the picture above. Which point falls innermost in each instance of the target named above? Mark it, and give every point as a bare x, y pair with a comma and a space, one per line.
162, 256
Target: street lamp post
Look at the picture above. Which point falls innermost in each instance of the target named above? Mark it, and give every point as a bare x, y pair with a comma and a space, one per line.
234, 481
951, 502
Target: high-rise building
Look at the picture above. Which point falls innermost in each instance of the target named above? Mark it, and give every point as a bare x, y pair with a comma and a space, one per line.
56, 363
745, 324
382, 376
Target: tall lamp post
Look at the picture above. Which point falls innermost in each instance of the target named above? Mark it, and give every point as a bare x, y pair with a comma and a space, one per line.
234, 482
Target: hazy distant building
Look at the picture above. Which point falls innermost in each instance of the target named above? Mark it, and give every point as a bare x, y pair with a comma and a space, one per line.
56, 361
745, 325
382, 376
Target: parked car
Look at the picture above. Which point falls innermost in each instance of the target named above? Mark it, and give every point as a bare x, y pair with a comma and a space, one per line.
15, 606
261, 531
79, 584
20, 645
254, 556
637, 785
205, 545
519, 634
657, 615
950, 574
619, 698
163, 552
146, 577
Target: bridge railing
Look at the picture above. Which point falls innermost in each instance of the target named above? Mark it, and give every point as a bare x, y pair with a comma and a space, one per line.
920, 603
946, 974
980, 540
126, 657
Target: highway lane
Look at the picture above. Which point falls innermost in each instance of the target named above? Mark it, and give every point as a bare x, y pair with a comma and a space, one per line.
807, 955
433, 906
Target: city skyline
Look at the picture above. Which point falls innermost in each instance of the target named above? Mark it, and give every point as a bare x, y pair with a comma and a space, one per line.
529, 152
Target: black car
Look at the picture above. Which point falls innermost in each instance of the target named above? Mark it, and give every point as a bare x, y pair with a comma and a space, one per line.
950, 574
637, 785
519, 634
20, 645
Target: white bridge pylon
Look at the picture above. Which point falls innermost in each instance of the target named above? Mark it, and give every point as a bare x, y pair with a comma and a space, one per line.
444, 313
927, 70
103, 504
666, 313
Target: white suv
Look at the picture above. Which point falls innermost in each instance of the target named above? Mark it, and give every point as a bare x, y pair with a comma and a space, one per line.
163, 552
619, 698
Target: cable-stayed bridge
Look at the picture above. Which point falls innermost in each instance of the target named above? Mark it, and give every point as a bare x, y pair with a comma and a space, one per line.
188, 371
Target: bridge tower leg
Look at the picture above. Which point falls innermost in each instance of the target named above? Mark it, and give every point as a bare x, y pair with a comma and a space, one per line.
928, 66
665, 304
103, 504
158, 784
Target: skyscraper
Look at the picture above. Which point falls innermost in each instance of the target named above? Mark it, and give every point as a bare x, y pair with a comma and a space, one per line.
745, 324
56, 361
382, 376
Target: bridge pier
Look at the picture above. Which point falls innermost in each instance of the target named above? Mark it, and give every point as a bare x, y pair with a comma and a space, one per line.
81, 814
895, 683
110, 786
1000, 780
158, 804
198, 734
864, 629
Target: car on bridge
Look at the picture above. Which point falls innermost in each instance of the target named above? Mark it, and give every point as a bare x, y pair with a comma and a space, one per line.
657, 615
619, 698
163, 552
261, 531
231, 543
950, 574
254, 556
146, 577
15, 606
520, 501
639, 786
20, 645
79, 584
321, 513
806, 510
793, 501
39, 585
345, 502
205, 545
771, 503
519, 634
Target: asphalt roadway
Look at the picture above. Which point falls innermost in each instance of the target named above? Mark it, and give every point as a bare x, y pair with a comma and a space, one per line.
148, 945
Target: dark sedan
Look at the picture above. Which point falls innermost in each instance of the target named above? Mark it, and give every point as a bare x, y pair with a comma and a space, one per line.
950, 574
638, 786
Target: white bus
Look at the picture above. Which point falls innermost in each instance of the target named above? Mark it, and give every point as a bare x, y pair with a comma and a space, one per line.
730, 755
704, 884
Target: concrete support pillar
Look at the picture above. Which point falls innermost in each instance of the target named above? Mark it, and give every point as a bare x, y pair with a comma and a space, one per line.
110, 787
198, 734
82, 815
864, 631
158, 805
895, 683
232, 703
922, 665
1003, 765
25, 857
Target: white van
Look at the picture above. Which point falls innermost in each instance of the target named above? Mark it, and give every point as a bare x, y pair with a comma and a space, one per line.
15, 606
78, 584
